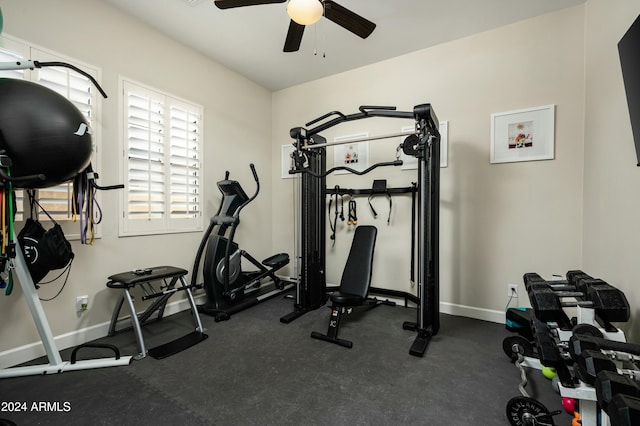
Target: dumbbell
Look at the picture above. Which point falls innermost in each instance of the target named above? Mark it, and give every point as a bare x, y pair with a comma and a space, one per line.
609, 384
617, 390
574, 281
533, 281
609, 303
591, 362
616, 351
624, 410
595, 358
577, 281
581, 281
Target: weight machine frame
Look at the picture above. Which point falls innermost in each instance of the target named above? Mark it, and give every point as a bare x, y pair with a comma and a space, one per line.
310, 161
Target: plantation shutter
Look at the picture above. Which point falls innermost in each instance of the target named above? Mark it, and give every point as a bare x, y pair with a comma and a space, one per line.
79, 90
163, 152
185, 162
146, 163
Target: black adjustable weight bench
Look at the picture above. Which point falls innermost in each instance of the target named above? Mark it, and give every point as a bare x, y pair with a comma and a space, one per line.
354, 285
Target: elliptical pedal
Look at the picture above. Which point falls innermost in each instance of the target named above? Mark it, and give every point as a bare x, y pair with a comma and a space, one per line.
276, 261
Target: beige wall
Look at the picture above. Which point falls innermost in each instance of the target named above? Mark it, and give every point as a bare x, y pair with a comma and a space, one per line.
611, 202
497, 221
237, 121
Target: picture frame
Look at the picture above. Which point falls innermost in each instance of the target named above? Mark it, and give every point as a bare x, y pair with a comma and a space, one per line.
355, 156
411, 163
523, 135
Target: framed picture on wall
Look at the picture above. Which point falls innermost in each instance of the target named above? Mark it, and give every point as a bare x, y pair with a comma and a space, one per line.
523, 135
353, 155
411, 163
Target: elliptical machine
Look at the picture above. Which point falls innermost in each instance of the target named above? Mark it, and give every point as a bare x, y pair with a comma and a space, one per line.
228, 288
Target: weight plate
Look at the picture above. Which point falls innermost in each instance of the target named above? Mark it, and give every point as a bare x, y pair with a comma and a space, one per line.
587, 330
523, 411
522, 345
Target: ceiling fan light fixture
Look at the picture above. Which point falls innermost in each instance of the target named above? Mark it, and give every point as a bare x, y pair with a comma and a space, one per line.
305, 12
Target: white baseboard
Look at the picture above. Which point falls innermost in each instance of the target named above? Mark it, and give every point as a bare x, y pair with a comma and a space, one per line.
472, 312
459, 310
30, 351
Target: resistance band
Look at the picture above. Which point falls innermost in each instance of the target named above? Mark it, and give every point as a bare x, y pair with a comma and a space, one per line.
3, 258
353, 216
85, 206
4, 223
8, 248
332, 224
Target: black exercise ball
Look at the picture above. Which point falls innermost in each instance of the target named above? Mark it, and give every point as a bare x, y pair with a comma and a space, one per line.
42, 133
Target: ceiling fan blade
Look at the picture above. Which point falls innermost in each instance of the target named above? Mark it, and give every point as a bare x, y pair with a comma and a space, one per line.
294, 37
347, 19
228, 4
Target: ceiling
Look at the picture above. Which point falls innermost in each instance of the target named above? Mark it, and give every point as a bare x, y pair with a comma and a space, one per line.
249, 40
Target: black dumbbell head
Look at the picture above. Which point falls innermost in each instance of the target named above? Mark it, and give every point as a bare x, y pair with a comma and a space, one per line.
538, 285
546, 305
624, 410
584, 329
608, 384
590, 363
578, 344
530, 278
574, 276
610, 303
584, 283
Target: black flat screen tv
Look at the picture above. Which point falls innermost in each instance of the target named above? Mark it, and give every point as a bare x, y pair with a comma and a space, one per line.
629, 51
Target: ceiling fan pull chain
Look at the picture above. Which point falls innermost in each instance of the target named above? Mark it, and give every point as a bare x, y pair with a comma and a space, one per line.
323, 34
315, 40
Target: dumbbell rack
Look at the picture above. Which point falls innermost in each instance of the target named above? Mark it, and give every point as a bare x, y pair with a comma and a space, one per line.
580, 391
550, 336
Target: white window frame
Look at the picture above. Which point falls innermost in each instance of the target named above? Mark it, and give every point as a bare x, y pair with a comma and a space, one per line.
163, 223
31, 51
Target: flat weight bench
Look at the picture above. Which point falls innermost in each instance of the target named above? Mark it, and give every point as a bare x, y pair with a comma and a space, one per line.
354, 285
144, 278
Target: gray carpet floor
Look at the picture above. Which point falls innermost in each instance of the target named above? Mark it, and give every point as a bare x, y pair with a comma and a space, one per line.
255, 370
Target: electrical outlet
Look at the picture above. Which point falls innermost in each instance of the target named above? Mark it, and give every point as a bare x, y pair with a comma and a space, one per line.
82, 303
512, 290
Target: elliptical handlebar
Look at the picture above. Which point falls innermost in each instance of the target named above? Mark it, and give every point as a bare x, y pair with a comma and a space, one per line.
253, 197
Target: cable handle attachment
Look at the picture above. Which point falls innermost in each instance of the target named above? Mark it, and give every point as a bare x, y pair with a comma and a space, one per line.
353, 216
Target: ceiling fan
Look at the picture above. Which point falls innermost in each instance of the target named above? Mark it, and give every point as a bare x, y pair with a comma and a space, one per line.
311, 11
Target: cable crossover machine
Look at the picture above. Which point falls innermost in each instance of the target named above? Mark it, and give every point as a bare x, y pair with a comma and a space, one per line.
309, 161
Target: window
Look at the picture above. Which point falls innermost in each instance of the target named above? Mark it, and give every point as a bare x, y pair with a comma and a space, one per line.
162, 151
73, 86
